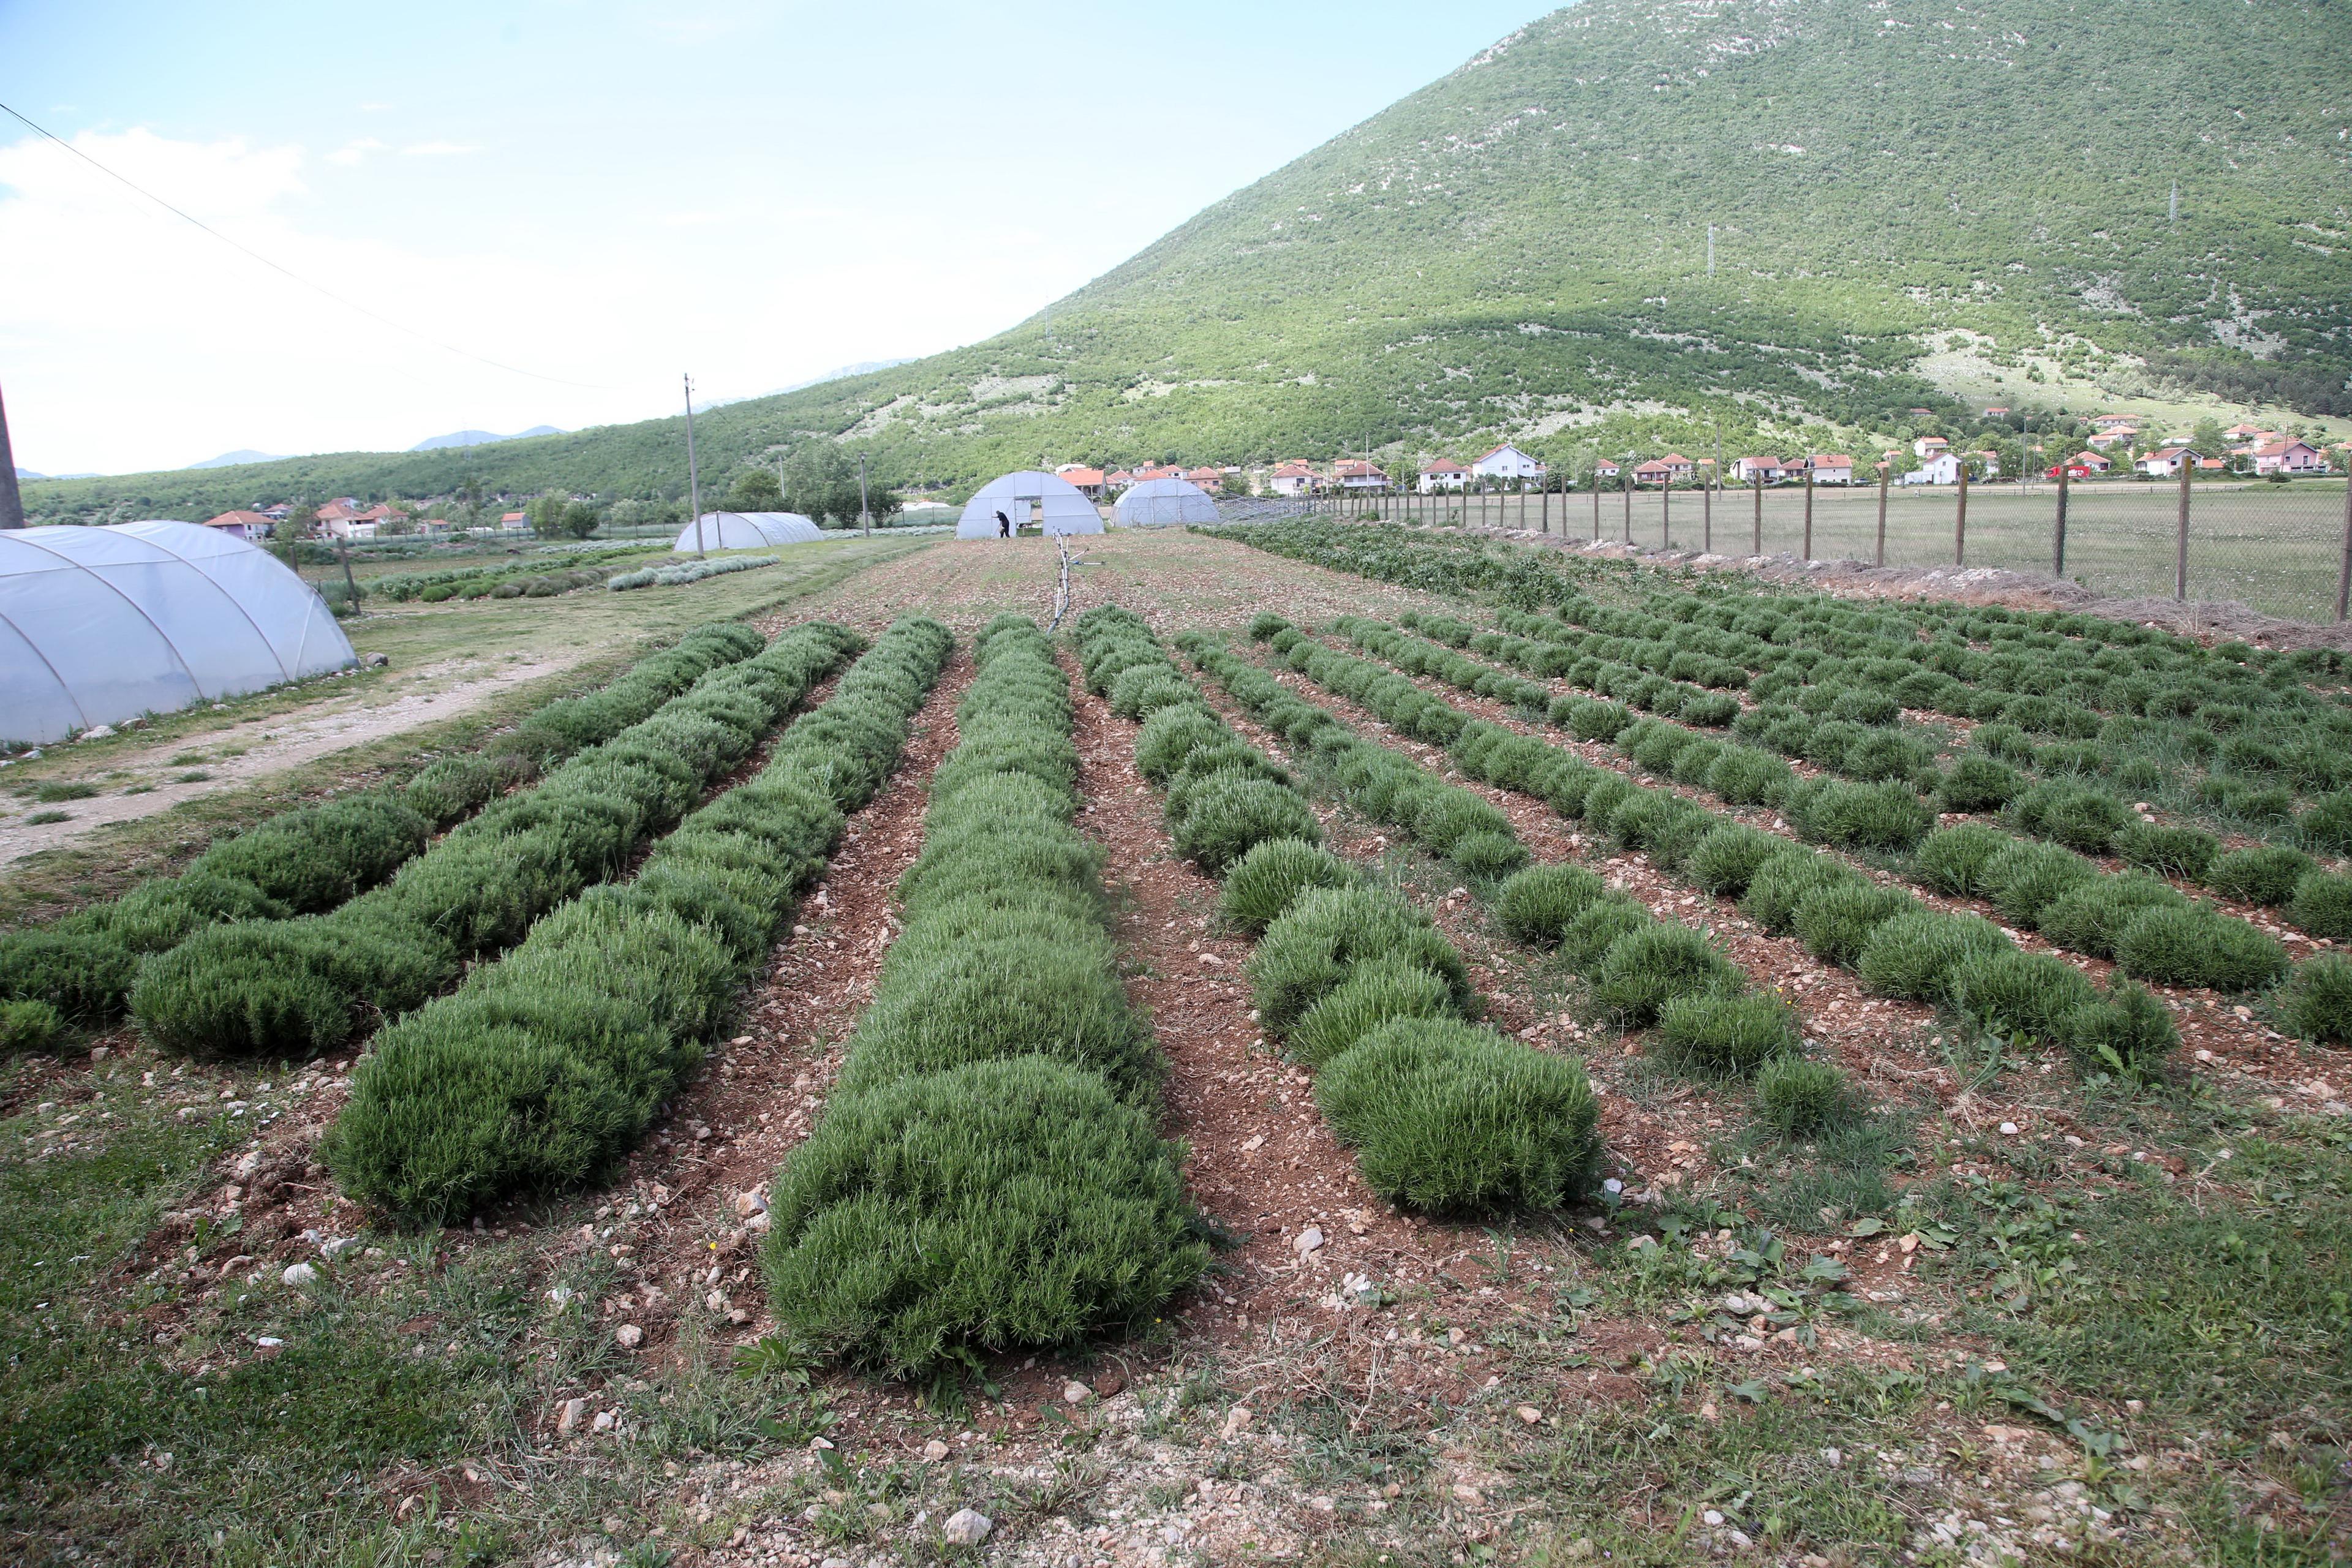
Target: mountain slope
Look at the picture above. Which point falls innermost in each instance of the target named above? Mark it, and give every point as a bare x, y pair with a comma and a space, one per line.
1521, 248
479, 438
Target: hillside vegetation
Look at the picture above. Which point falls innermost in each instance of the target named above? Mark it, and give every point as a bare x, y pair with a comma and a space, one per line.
1521, 248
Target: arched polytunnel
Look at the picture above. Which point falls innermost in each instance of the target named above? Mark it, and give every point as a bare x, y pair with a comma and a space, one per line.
1029, 496
100, 625
1156, 502
748, 530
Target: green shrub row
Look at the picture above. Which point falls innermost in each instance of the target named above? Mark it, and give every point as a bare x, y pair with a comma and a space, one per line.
1899, 947
1450, 822
1631, 684
1443, 1115
545, 1068
988, 1174
483, 582
314, 858
293, 987
688, 572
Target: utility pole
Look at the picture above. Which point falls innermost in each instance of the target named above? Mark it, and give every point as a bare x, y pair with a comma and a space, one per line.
12, 502
1878, 557
865, 513
2058, 538
1960, 522
2181, 544
693, 477
1808, 509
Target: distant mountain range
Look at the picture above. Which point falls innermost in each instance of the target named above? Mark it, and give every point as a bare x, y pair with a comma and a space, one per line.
478, 439
242, 455
28, 474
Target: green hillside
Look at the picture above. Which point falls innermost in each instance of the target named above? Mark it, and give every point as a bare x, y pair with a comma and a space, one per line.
1911, 197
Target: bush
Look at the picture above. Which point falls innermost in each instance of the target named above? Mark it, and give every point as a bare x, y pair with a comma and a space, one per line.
1001, 1205
2026, 878
1977, 783
2322, 905
1786, 879
1723, 861
1746, 776
1603, 923
2090, 917
1315, 944
2188, 852
2198, 946
2327, 825
1455, 1119
1648, 967
1717, 1033
1953, 860
1795, 1096
2267, 874
1265, 881
1230, 814
1374, 991
2085, 820
2127, 1032
1860, 816
2012, 993
1917, 955
1172, 735
1489, 854
29, 1026
1835, 922
1537, 905
1144, 691
2316, 1003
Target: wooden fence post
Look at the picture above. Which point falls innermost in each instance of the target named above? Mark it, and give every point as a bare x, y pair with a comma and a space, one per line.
2180, 540
1960, 522
1756, 481
1809, 511
2344, 579
2058, 538
1707, 513
1665, 514
1885, 472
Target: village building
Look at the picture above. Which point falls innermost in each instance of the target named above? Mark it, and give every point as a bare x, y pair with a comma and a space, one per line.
1748, 470
1829, 467
1087, 482
1928, 446
1360, 476
2165, 462
1943, 468
1507, 463
2295, 458
1294, 479
248, 525
1445, 474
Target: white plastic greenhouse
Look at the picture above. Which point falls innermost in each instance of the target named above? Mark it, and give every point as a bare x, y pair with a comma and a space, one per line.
749, 531
1059, 506
1155, 503
100, 625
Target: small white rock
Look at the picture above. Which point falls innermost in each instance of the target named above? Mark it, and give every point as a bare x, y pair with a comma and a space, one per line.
566, 1422
2009, 1128
966, 1527
935, 1450
1308, 1241
300, 1274
1075, 1393
628, 1336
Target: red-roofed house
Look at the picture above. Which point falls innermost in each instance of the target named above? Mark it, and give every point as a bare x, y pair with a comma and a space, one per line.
1507, 462
2289, 458
1087, 482
2108, 421
1928, 446
1360, 476
1445, 474
514, 522
1604, 469
1672, 469
2113, 435
1294, 479
1995, 413
240, 525
2165, 463
1746, 470
1831, 468
2090, 462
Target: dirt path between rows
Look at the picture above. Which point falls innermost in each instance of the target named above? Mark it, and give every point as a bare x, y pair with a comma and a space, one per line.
282, 743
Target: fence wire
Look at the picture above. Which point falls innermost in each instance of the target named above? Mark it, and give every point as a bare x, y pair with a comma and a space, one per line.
2278, 548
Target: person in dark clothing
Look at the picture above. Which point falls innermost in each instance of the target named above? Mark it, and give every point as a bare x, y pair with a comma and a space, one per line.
1003, 526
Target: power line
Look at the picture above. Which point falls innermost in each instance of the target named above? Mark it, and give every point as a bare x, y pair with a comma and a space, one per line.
285, 272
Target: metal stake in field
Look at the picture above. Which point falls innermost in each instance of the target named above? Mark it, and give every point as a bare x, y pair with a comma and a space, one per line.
1756, 481
1625, 482
2058, 538
1878, 556
1666, 513
1596, 502
1960, 522
2180, 540
693, 480
865, 515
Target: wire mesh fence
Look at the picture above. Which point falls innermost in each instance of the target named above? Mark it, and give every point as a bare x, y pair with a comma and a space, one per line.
2279, 548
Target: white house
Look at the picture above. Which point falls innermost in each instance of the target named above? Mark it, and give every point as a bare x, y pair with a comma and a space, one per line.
2166, 464
1445, 474
246, 525
1831, 468
1507, 462
1604, 469
1928, 446
1361, 477
1943, 468
2289, 458
1748, 470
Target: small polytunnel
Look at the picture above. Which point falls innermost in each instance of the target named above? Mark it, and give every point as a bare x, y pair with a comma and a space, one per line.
1049, 499
749, 531
1155, 503
100, 625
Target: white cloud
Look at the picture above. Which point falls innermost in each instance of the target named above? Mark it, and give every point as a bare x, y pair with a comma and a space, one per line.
351, 152
437, 149
135, 341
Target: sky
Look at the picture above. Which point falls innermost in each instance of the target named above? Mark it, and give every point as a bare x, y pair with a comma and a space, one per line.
547, 210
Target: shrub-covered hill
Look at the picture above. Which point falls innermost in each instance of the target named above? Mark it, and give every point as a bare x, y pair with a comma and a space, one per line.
1524, 242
